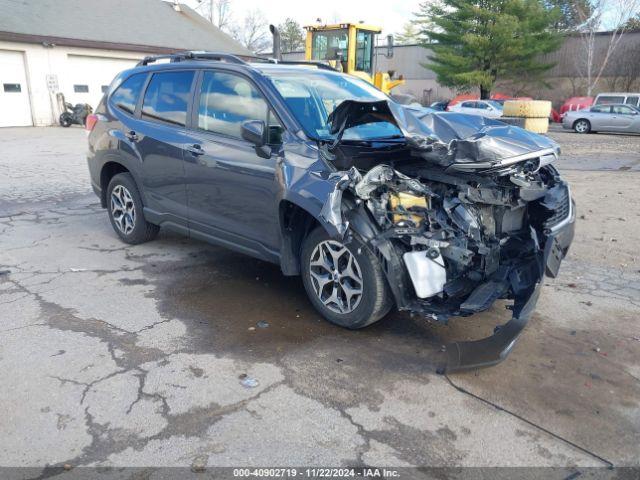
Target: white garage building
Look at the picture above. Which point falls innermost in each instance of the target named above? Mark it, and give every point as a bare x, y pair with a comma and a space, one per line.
76, 47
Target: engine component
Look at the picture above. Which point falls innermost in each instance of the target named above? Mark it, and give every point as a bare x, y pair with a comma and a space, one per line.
401, 203
428, 275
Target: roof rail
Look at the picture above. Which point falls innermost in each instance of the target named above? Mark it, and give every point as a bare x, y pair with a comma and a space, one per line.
192, 55
320, 65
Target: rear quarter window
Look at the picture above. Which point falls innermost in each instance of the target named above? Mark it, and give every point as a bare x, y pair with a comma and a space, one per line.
126, 95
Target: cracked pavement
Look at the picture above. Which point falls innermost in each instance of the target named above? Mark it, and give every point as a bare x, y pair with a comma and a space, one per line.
114, 355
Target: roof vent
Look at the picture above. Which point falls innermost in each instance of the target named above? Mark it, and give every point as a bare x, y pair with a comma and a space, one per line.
176, 6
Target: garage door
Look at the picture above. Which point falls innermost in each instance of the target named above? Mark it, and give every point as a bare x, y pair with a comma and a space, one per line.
87, 77
15, 110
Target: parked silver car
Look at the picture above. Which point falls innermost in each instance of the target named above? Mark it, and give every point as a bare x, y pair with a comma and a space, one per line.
604, 118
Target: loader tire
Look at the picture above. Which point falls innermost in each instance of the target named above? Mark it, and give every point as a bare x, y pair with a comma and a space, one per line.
536, 125
527, 108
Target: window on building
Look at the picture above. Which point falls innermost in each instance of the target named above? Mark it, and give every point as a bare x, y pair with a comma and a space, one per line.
227, 100
81, 88
12, 87
167, 97
127, 94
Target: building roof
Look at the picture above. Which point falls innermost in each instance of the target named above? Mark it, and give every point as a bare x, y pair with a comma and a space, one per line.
137, 25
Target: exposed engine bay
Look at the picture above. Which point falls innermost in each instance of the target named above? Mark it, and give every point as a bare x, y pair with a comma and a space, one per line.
458, 220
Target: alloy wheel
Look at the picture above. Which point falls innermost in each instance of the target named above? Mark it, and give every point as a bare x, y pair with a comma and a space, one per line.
581, 126
336, 277
123, 209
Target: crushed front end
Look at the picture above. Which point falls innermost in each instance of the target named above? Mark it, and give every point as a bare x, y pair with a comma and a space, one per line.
457, 222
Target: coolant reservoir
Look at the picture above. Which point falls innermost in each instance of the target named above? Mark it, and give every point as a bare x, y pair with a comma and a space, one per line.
428, 275
406, 201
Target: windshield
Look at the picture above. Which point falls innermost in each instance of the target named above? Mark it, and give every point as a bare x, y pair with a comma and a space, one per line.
312, 96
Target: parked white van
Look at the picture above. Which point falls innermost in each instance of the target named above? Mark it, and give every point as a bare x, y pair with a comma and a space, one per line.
618, 97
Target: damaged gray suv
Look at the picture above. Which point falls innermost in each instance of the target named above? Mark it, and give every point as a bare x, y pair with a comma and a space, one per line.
376, 205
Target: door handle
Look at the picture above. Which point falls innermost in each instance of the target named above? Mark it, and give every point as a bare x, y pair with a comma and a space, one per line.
195, 149
131, 135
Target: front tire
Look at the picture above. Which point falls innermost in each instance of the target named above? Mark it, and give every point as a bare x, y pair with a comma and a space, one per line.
345, 284
65, 120
582, 126
124, 205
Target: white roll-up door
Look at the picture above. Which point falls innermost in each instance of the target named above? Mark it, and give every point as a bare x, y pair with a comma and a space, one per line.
15, 109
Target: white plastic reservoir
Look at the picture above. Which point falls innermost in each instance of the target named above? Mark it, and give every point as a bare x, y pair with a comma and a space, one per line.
428, 275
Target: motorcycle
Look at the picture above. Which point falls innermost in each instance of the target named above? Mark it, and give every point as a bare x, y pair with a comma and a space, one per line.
75, 114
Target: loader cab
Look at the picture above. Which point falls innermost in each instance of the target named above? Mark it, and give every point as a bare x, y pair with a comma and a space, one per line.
349, 48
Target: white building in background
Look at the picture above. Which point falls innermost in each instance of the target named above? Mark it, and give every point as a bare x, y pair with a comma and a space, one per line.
76, 47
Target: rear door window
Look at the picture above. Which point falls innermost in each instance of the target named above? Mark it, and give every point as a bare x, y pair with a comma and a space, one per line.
622, 110
167, 97
127, 94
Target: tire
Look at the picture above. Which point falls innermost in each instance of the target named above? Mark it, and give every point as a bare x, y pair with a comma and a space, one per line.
582, 126
124, 206
536, 125
527, 108
65, 120
375, 299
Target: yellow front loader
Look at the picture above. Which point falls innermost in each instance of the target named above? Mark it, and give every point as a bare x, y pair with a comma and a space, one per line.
350, 48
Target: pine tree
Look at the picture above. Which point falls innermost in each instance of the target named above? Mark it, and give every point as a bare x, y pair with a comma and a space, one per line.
291, 36
475, 43
408, 35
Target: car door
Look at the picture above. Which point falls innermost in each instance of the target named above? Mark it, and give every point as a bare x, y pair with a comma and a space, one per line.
468, 108
160, 135
600, 117
622, 117
231, 190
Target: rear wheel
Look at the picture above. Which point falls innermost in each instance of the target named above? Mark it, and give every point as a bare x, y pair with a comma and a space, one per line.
582, 126
345, 284
124, 205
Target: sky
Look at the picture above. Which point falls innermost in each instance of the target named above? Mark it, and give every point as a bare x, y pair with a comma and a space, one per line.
390, 15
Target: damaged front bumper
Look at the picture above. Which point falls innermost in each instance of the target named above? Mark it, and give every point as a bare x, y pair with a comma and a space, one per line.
494, 349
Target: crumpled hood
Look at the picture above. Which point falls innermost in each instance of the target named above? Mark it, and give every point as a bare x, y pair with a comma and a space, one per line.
457, 140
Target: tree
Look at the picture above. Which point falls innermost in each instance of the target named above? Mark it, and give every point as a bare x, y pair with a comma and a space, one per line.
594, 55
477, 42
292, 36
633, 24
217, 12
253, 32
569, 13
409, 34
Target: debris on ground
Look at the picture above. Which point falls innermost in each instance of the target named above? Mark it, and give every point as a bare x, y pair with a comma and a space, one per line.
77, 269
588, 303
247, 381
262, 324
199, 464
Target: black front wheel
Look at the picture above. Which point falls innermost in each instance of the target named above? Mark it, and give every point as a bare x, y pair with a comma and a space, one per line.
66, 120
345, 283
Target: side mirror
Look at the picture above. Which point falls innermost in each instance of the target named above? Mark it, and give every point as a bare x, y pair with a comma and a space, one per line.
255, 132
